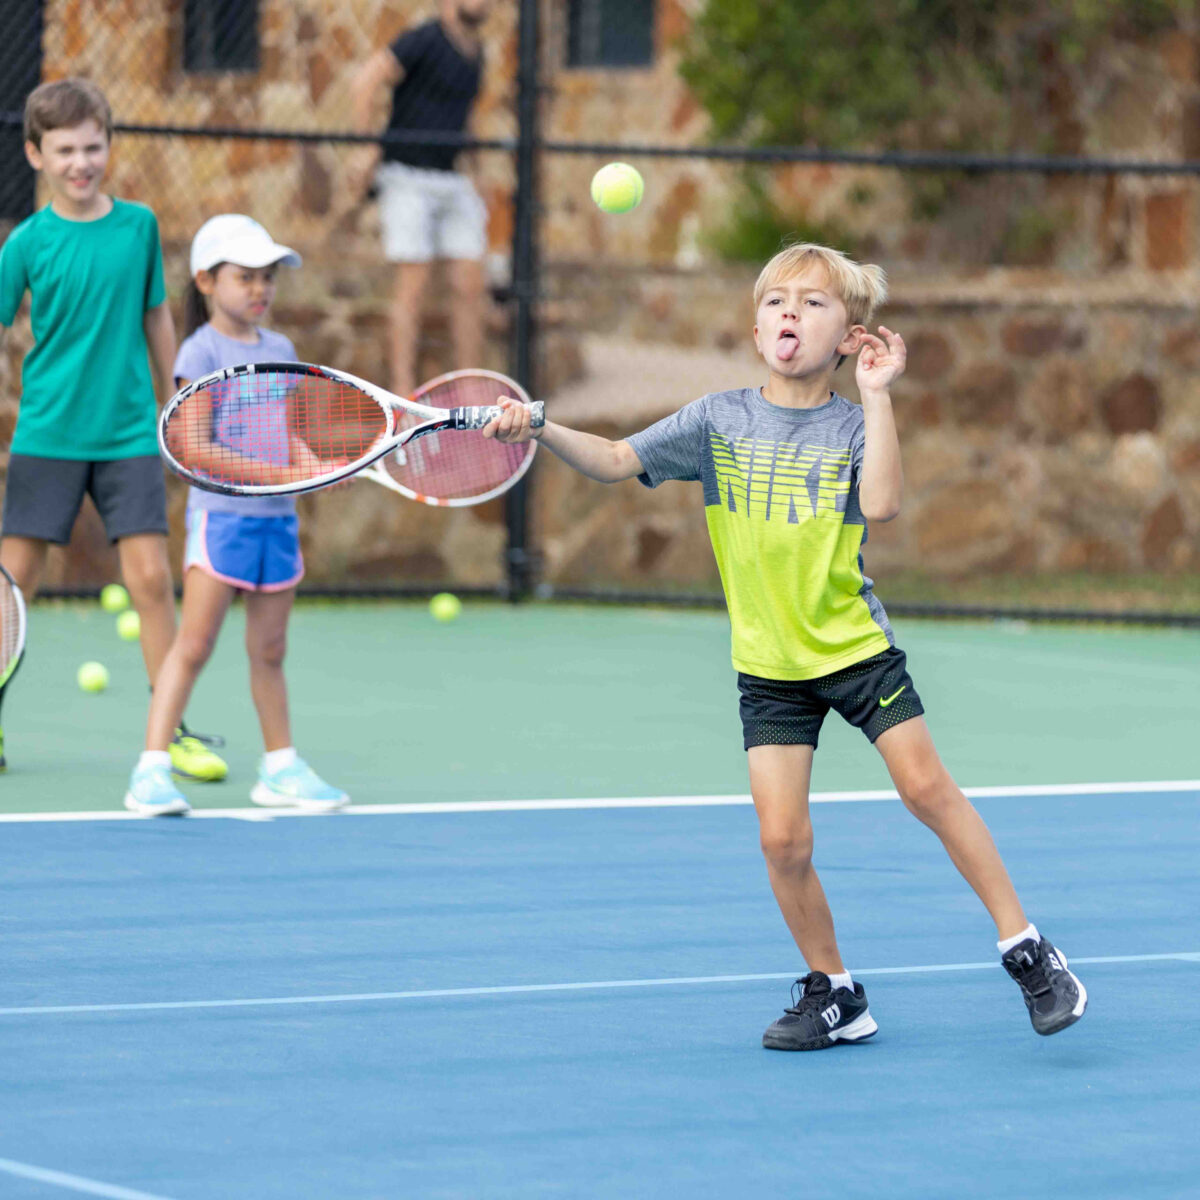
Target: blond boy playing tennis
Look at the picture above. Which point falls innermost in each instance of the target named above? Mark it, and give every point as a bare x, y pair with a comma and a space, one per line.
792, 472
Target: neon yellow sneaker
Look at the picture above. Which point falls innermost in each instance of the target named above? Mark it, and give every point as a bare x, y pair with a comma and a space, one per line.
193, 758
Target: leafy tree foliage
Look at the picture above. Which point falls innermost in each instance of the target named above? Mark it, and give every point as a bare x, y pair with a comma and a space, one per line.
892, 74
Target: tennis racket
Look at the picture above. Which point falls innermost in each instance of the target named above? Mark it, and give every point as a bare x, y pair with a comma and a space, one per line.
276, 429
12, 638
432, 469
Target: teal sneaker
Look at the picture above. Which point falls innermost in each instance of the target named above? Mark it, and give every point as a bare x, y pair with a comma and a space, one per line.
153, 793
297, 786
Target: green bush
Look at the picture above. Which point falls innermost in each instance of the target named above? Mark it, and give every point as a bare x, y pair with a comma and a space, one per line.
757, 228
891, 74
953, 75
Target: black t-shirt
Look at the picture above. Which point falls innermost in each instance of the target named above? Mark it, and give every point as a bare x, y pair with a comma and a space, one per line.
435, 95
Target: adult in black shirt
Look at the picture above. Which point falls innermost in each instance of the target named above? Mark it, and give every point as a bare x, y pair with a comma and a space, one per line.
429, 209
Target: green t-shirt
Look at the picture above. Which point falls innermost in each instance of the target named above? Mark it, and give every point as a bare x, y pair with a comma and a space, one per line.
86, 391
781, 499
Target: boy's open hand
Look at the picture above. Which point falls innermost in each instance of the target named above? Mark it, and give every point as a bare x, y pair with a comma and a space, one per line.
880, 362
513, 423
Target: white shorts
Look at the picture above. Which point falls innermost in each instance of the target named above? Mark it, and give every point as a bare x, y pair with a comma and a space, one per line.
429, 214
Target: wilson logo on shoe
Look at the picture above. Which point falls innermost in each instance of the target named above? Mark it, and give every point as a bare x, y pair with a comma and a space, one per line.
832, 1015
1055, 963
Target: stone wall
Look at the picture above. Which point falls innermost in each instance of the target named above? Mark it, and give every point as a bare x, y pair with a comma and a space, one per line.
1038, 436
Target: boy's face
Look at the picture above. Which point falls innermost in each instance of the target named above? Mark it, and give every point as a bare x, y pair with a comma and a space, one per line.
802, 327
72, 160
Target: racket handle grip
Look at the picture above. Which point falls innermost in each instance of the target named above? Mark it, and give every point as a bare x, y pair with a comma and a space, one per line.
478, 417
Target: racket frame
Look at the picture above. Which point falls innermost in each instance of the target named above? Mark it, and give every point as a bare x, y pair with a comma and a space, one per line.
376, 472
435, 421
10, 669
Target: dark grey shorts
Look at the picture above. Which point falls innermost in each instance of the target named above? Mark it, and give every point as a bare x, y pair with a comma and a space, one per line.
872, 695
43, 496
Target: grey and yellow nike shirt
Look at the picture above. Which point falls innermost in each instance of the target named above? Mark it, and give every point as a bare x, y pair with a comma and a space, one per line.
781, 501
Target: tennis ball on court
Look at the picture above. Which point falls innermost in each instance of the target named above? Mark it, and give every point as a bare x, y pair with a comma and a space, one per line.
92, 677
129, 626
445, 606
617, 188
114, 598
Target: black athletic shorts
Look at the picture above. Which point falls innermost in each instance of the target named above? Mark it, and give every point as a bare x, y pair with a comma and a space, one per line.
874, 695
43, 496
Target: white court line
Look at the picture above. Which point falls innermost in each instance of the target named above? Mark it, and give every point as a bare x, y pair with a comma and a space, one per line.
73, 1183
533, 988
466, 806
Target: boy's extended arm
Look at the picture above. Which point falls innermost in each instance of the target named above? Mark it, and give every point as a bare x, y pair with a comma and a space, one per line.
160, 339
596, 457
591, 455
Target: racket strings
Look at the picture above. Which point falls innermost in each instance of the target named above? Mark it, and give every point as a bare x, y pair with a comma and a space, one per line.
273, 428
462, 464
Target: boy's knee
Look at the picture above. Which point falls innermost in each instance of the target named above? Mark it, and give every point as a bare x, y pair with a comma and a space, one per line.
929, 794
787, 847
149, 582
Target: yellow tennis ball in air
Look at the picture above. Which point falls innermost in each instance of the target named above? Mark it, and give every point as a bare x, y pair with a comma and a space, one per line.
445, 606
92, 677
617, 188
129, 626
114, 598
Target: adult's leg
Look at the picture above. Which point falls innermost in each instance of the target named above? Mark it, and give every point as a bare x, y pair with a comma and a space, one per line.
205, 602
932, 796
267, 616
467, 290
779, 783
147, 574
25, 559
409, 282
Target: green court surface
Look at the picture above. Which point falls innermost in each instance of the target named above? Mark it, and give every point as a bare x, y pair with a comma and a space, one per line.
544, 702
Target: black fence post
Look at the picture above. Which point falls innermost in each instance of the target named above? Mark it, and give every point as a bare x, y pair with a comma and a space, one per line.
522, 356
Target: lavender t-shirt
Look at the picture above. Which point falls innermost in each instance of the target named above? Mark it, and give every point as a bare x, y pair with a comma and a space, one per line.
207, 350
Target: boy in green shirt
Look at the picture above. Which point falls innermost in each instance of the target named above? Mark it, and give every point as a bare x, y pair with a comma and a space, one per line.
791, 474
93, 267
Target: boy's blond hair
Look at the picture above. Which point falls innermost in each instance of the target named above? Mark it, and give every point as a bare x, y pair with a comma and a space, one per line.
861, 287
64, 104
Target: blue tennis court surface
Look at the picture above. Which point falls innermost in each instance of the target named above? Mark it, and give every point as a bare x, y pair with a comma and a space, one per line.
569, 1003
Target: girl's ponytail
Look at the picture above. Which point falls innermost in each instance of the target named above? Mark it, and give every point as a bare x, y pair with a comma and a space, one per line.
195, 309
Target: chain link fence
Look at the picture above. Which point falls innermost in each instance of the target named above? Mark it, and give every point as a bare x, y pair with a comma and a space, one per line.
1046, 286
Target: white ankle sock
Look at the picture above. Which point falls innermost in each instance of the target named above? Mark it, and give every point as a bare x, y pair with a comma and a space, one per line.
154, 758
841, 980
276, 760
1030, 931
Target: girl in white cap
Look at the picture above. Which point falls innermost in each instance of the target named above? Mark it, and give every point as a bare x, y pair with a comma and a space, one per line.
234, 543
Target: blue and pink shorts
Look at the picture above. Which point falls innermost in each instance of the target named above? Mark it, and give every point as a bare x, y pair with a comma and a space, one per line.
256, 554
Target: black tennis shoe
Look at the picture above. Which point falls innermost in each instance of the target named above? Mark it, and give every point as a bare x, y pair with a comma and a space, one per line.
1054, 996
821, 1015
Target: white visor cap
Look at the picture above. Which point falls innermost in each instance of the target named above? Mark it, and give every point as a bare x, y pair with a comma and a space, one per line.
238, 239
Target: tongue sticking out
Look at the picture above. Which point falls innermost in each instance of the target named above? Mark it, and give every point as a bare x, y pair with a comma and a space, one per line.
786, 347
